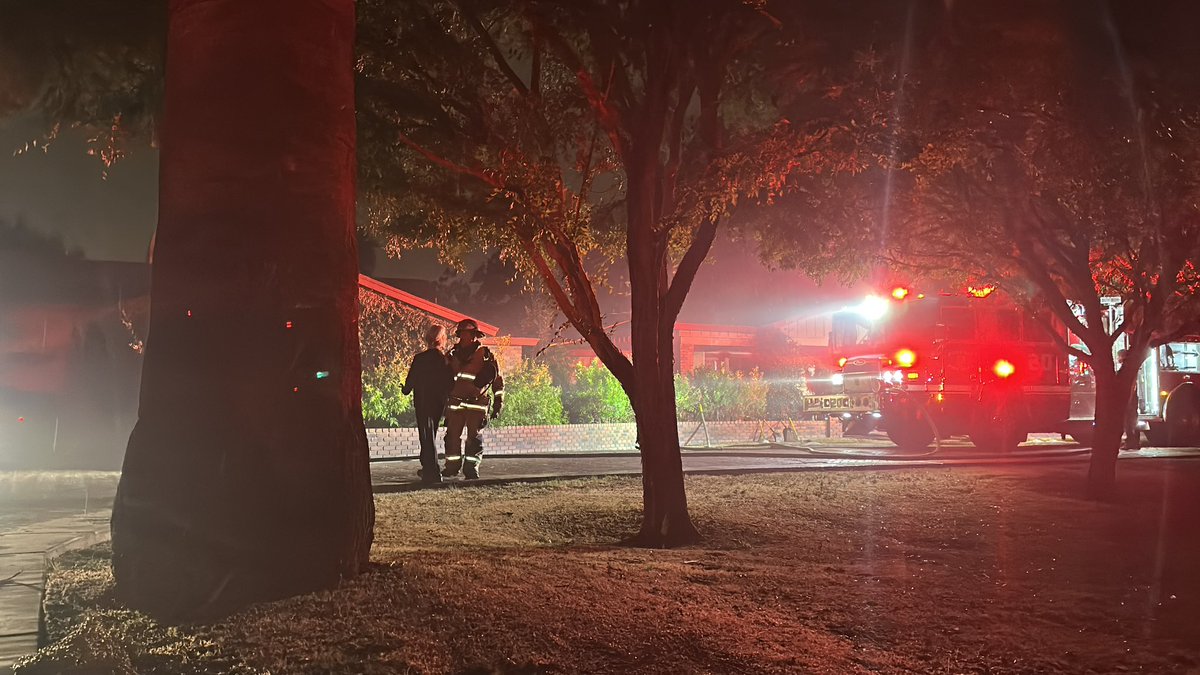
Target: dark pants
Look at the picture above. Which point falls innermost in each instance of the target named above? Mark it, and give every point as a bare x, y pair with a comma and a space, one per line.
427, 426
1133, 437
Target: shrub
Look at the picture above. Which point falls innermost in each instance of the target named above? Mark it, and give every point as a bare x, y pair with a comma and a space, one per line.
530, 397
384, 405
595, 396
722, 394
785, 396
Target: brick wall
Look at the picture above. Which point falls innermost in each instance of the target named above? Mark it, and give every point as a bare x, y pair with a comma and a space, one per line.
386, 443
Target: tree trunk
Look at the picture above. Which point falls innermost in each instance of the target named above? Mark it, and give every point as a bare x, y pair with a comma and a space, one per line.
246, 476
665, 519
1113, 394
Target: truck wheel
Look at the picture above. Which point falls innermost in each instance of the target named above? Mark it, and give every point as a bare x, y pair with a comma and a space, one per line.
998, 425
859, 427
910, 428
999, 440
1181, 415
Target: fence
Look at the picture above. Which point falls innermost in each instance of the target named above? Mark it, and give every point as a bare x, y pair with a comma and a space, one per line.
402, 442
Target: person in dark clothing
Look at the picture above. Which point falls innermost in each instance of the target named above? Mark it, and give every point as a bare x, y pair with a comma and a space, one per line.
1133, 435
429, 380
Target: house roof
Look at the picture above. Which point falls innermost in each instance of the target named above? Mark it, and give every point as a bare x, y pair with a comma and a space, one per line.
422, 304
26, 279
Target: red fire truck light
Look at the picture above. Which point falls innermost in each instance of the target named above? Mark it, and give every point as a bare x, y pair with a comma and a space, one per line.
841, 362
20, 419
905, 358
1003, 368
899, 292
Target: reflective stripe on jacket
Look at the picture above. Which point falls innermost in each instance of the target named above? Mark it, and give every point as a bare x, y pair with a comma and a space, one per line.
473, 365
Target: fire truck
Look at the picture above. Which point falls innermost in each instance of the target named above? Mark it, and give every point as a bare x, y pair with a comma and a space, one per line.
929, 366
1168, 394
1168, 386
923, 367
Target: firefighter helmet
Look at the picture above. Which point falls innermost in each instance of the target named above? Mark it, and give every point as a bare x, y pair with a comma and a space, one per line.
468, 325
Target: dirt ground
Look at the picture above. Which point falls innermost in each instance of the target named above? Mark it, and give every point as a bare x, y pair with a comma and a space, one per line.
997, 570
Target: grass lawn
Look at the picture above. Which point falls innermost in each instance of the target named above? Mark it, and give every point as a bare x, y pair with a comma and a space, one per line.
998, 570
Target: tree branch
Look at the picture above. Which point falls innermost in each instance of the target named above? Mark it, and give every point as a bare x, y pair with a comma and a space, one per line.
609, 117
685, 273
493, 49
449, 164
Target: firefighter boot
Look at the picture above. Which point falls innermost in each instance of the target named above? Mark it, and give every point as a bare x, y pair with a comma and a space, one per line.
473, 458
454, 457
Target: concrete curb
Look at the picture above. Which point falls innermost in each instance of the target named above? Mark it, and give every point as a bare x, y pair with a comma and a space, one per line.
81, 541
780, 451
394, 488
773, 451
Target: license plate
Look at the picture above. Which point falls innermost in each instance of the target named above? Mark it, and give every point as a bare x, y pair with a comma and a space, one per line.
840, 403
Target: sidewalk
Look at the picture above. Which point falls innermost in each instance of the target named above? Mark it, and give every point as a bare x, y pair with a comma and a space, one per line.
24, 553
43, 514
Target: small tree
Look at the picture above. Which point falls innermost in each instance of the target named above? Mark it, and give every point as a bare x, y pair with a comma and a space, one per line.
575, 135
1065, 186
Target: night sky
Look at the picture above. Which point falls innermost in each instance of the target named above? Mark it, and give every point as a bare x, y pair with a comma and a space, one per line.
63, 191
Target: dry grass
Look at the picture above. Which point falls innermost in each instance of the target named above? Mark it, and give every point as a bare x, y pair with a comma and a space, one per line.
990, 570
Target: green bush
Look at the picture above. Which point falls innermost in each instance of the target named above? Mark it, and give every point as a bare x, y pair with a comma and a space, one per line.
687, 399
785, 396
530, 397
723, 395
384, 404
595, 396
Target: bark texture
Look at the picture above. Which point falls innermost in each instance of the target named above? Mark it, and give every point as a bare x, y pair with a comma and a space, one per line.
246, 477
665, 518
1113, 396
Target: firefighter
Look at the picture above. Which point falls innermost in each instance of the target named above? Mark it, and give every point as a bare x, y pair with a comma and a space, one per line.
475, 373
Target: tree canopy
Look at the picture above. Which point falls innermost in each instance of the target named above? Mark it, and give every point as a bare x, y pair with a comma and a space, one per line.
96, 66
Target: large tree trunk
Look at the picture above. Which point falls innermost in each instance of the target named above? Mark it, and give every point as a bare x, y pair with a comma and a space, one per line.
246, 477
665, 519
